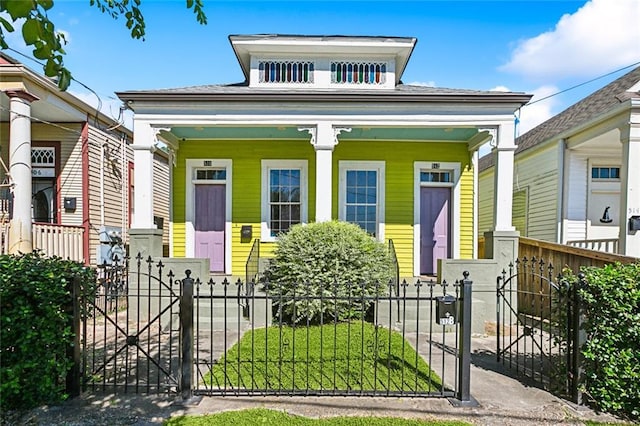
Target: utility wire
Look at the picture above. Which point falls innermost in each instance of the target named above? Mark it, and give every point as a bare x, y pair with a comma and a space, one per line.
97, 110
582, 84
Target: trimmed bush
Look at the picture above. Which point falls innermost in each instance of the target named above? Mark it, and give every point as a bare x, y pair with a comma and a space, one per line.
611, 298
337, 260
35, 327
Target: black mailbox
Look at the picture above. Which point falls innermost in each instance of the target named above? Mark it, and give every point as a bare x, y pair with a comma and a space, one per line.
446, 310
69, 203
246, 232
634, 223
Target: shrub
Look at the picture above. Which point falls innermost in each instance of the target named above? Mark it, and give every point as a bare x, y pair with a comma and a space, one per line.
35, 327
337, 261
611, 297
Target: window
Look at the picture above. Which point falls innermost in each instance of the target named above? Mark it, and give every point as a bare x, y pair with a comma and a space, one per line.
284, 196
361, 195
43, 184
373, 73
443, 176
211, 174
285, 71
605, 173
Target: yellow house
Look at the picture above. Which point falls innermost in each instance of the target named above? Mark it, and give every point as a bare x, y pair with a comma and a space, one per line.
322, 128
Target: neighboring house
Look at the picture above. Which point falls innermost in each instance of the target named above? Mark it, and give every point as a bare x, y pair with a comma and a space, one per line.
322, 128
576, 176
66, 173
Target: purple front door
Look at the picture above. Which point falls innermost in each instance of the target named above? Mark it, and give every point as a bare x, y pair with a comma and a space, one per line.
209, 226
434, 227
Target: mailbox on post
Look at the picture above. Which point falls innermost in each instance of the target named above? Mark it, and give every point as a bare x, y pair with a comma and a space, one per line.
446, 310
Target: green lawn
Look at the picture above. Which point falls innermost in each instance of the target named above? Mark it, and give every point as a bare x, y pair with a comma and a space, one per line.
324, 358
262, 416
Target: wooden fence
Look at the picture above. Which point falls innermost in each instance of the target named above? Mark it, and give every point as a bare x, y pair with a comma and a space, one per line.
560, 255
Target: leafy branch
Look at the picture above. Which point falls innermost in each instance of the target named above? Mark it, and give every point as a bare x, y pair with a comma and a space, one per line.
48, 44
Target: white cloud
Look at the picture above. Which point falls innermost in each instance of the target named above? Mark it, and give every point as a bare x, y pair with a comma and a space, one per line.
109, 106
599, 37
532, 115
422, 83
500, 89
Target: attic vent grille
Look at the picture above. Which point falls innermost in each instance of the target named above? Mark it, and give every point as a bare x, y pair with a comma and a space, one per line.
373, 73
286, 71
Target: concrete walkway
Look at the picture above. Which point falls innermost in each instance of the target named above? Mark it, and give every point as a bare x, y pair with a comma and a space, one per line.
502, 401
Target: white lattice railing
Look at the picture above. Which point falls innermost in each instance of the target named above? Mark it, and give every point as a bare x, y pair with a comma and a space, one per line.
607, 245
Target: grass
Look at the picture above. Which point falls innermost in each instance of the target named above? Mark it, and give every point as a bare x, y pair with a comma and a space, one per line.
354, 357
263, 416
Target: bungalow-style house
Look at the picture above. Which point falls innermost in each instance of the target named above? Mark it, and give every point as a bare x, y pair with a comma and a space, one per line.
322, 128
66, 175
574, 176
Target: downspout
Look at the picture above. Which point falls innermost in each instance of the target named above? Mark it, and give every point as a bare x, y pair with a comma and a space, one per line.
104, 146
560, 231
474, 162
86, 223
124, 187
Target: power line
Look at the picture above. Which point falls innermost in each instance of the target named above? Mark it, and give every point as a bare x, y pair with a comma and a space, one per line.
583, 83
97, 110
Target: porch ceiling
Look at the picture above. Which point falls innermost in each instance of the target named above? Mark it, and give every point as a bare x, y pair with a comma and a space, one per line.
358, 133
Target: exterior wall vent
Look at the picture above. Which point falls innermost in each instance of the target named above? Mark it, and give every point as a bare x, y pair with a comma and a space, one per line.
286, 72
344, 72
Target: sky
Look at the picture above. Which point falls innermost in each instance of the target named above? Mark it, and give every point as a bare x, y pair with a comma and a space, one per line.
539, 47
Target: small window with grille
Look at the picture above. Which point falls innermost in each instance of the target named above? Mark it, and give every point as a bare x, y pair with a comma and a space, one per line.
294, 72
366, 73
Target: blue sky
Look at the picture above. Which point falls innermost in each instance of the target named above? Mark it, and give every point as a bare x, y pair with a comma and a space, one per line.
539, 47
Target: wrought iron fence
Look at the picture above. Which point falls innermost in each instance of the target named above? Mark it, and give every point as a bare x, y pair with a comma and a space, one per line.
308, 339
215, 338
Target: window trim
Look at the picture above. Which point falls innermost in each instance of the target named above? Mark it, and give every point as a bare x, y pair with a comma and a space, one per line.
379, 167
190, 204
266, 167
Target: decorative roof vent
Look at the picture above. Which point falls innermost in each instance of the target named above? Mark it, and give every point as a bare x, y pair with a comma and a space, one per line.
286, 72
373, 73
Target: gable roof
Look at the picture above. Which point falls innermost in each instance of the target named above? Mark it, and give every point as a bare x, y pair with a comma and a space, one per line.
588, 109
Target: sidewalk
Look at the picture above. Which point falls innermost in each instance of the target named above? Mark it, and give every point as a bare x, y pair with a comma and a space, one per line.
502, 401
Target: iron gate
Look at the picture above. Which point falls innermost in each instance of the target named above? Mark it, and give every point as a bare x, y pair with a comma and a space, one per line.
539, 326
129, 336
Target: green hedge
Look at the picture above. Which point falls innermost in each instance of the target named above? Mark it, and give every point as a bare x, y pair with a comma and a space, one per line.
35, 327
611, 297
330, 259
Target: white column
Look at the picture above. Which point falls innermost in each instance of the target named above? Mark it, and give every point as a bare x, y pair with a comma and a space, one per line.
630, 187
143, 149
324, 138
503, 178
20, 238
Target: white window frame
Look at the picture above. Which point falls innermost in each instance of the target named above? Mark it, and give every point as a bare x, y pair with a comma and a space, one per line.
267, 166
430, 166
379, 167
190, 201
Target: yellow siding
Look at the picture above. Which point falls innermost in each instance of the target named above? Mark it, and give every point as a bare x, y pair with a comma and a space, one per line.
246, 198
399, 160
